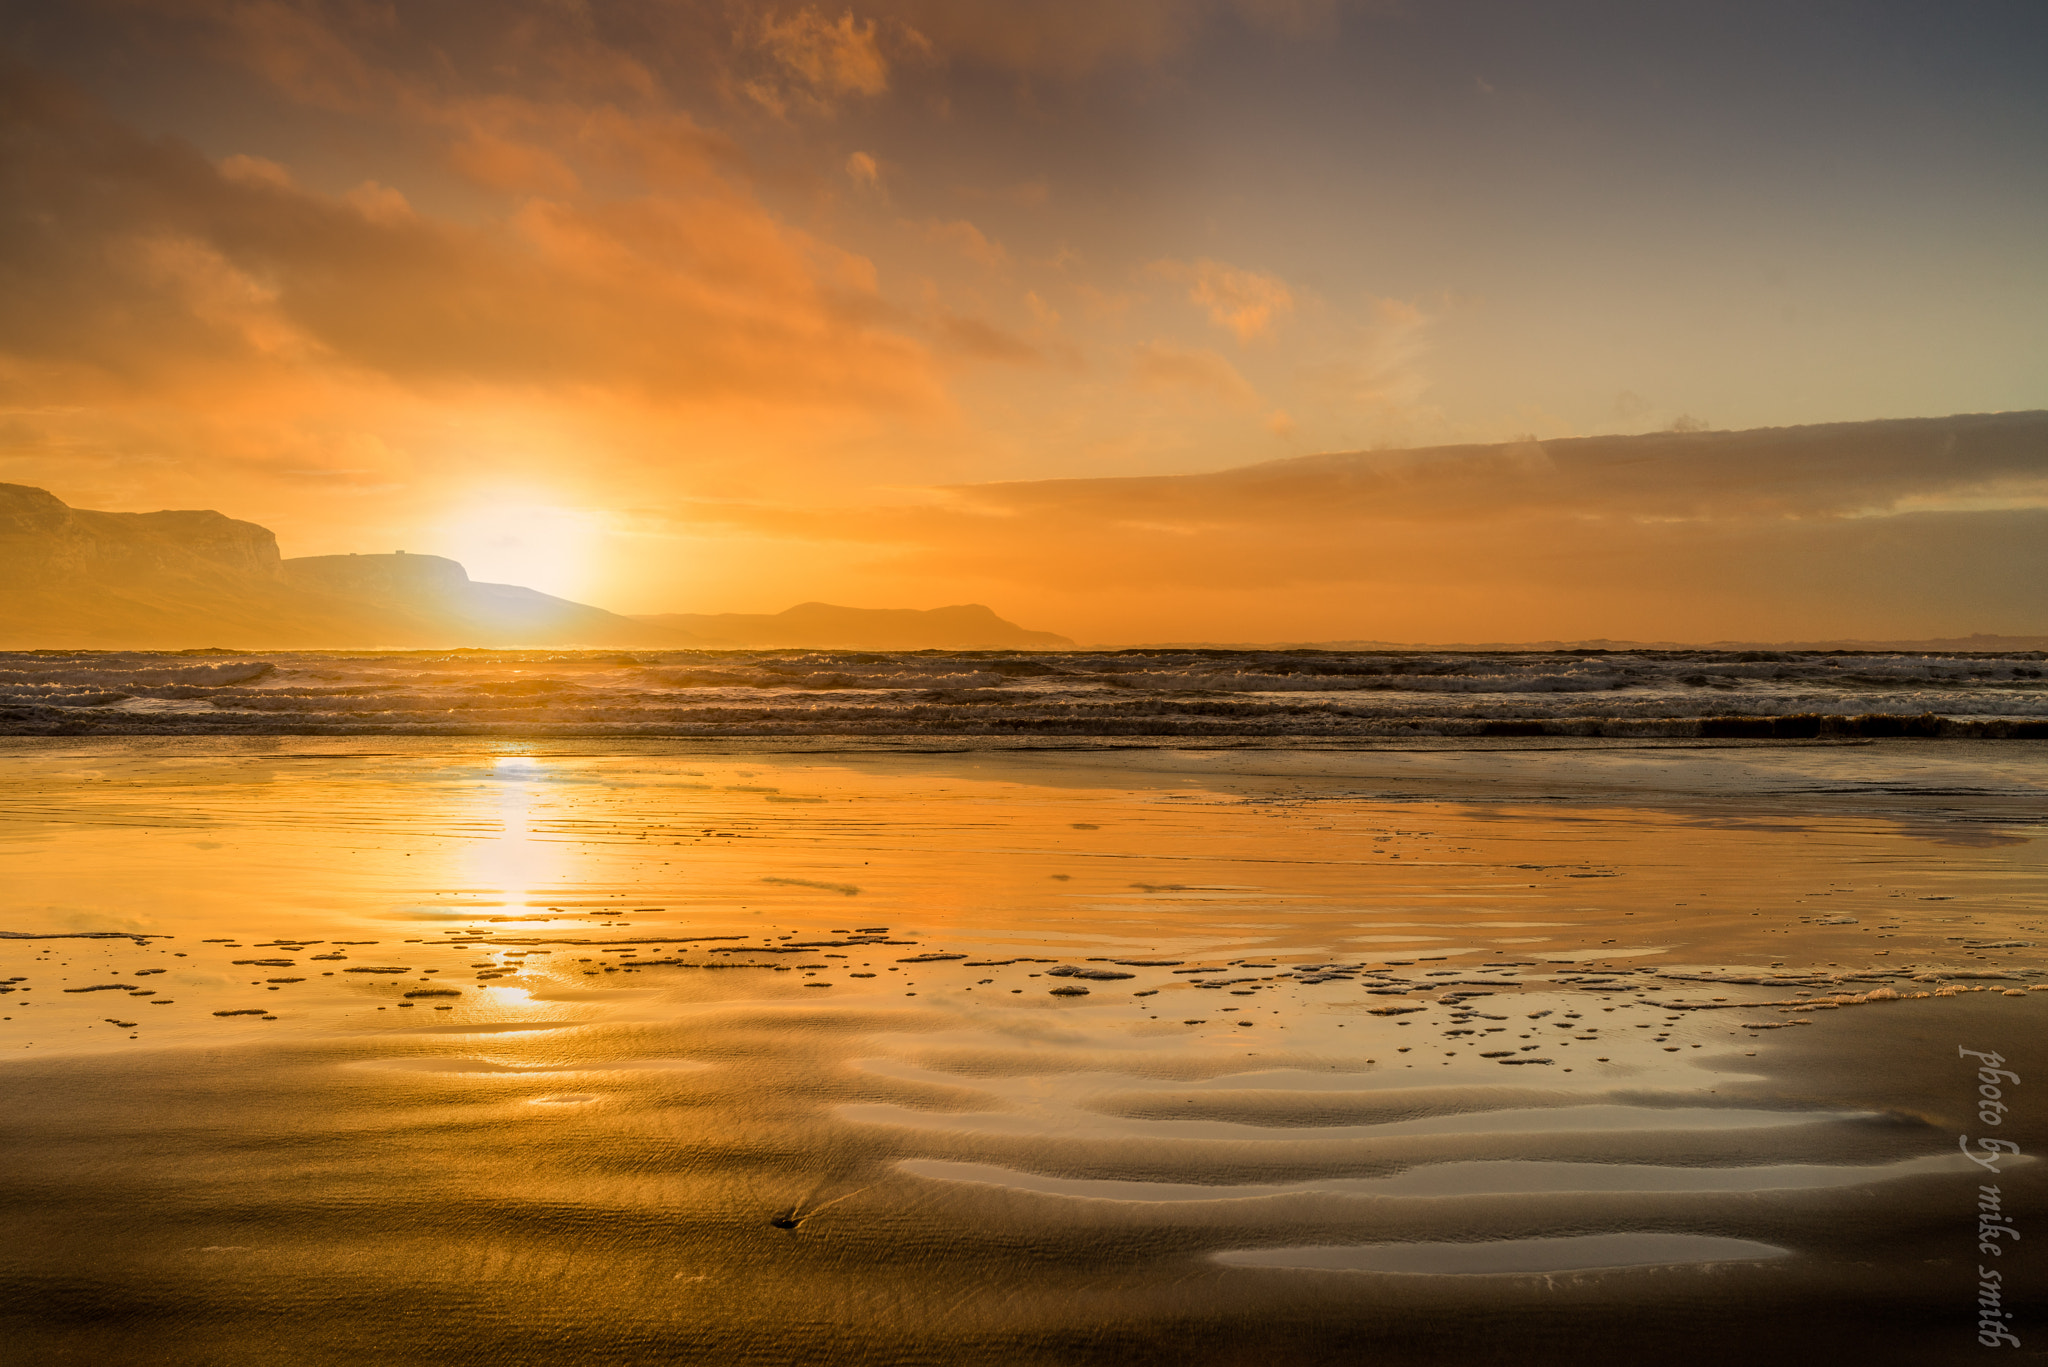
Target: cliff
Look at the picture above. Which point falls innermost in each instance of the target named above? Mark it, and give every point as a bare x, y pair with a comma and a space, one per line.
436, 597
45, 543
72, 578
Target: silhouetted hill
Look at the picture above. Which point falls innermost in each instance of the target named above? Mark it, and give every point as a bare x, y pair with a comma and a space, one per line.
75, 578
45, 543
1979, 644
413, 587
823, 626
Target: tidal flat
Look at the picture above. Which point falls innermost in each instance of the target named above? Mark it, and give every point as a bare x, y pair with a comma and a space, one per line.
371, 1049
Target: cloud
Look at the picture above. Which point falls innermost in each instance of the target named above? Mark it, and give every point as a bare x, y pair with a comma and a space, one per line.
560, 244
1290, 18
830, 58
295, 48
984, 341
1771, 534
1025, 194
248, 170
221, 296
1378, 377
1055, 38
366, 58
695, 293
1821, 473
1160, 365
500, 163
381, 204
1244, 303
1103, 306
340, 364
966, 239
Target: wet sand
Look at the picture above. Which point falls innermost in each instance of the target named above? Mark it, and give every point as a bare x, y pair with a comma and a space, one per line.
469, 1051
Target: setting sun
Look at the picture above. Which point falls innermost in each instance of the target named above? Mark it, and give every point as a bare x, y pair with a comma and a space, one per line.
521, 539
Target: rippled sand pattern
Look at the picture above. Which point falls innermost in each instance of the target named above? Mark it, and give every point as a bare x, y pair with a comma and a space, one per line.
465, 1051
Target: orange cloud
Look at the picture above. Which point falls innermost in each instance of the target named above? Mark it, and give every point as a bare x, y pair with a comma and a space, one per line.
1158, 365
966, 239
1244, 303
1025, 194
250, 170
834, 57
864, 171
1063, 38
695, 292
818, 60
295, 49
1664, 536
1067, 39
345, 365
984, 341
502, 164
1378, 373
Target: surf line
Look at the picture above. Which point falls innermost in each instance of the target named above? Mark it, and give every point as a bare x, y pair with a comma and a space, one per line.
1993, 1224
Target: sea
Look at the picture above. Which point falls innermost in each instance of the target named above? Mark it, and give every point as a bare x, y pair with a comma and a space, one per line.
1256, 695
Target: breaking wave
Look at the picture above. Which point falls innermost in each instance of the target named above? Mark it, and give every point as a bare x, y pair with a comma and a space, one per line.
1250, 693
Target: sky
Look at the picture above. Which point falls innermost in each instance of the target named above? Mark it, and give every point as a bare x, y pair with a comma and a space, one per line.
723, 306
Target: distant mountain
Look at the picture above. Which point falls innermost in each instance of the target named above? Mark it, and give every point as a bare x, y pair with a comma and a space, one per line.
72, 578
437, 596
822, 626
1978, 644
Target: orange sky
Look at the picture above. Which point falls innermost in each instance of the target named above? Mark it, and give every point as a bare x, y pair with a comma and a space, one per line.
710, 306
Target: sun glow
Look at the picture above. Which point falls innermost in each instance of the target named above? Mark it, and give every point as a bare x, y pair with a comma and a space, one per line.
524, 540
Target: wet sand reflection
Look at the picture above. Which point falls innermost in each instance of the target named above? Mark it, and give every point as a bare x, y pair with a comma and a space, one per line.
635, 1056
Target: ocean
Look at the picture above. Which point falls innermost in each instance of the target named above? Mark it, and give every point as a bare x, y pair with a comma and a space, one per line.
1268, 695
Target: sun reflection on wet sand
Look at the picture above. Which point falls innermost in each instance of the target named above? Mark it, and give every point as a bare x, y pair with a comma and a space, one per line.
515, 865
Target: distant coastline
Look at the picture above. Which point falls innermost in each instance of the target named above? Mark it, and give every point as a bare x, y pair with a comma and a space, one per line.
79, 579
1980, 643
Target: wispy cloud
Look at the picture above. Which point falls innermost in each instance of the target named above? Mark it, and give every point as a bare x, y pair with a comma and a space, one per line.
1247, 304
963, 237
1159, 365
820, 59
863, 170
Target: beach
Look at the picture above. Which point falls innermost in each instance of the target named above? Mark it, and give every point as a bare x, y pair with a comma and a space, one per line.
480, 1049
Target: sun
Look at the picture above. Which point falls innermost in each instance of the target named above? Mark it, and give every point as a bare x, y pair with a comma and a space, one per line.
526, 541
